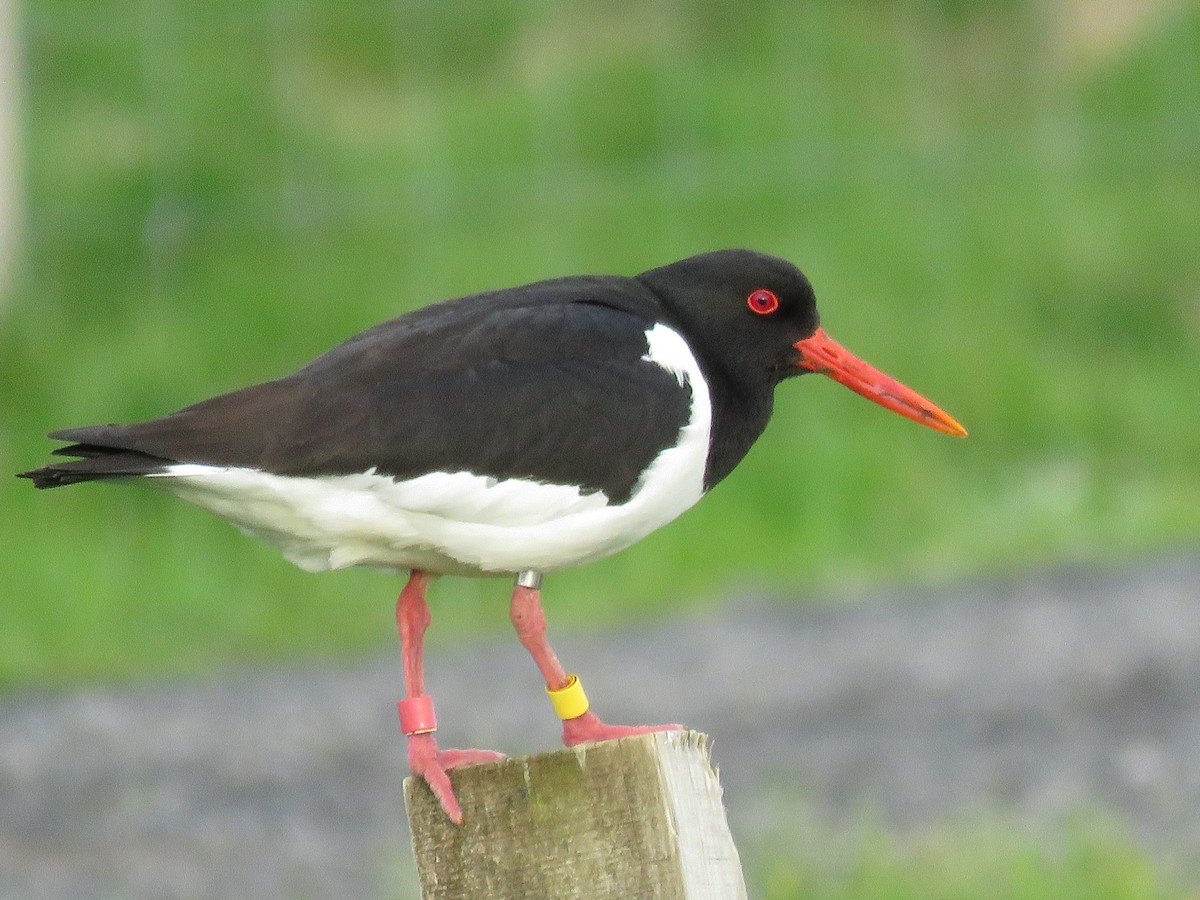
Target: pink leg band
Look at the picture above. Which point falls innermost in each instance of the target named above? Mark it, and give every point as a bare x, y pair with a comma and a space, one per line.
416, 714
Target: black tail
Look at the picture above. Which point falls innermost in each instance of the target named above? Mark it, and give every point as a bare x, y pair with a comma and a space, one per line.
97, 463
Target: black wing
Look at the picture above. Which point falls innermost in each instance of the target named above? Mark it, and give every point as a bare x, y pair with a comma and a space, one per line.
515, 384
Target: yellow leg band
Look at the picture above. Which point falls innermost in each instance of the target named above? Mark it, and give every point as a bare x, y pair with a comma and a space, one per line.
570, 702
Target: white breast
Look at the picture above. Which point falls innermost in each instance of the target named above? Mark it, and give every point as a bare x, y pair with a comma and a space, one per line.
459, 522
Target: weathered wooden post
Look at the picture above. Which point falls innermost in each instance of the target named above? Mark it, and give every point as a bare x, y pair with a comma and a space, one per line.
638, 817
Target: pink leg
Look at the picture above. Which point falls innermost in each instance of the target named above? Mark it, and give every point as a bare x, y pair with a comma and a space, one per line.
530, 622
424, 757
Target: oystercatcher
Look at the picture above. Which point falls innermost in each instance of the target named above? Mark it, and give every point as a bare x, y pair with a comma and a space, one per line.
517, 431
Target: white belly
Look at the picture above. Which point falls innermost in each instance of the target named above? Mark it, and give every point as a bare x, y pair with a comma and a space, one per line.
459, 522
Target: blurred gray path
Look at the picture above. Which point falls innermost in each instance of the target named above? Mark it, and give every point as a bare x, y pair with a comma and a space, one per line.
1031, 697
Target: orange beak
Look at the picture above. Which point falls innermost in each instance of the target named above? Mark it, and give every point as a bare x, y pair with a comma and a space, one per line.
820, 353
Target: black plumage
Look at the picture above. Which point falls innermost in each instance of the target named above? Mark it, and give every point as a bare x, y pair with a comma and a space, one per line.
545, 382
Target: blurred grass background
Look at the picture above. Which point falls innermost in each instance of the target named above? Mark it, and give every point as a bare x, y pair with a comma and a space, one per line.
997, 203
1084, 859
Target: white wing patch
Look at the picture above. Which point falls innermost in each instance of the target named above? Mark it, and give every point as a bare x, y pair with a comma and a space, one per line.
460, 522
665, 347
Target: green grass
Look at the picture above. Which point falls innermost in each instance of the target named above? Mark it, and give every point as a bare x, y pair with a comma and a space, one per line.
219, 193
1083, 859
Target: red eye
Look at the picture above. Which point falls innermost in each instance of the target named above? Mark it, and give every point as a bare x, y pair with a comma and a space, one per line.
762, 302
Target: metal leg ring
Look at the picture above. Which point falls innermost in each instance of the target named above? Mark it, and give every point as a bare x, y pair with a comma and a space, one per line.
529, 579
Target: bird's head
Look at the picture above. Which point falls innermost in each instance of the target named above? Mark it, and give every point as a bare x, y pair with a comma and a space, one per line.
755, 316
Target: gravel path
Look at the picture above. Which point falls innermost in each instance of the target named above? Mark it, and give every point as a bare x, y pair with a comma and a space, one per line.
1032, 698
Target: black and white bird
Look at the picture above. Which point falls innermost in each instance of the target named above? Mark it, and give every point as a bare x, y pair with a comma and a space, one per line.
517, 431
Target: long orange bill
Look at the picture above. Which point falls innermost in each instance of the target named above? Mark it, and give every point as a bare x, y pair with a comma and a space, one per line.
820, 353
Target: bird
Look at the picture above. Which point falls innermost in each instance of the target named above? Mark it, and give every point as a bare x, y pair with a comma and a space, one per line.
517, 432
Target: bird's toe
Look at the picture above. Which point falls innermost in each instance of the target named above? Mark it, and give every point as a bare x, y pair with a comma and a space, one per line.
589, 727
432, 765
452, 759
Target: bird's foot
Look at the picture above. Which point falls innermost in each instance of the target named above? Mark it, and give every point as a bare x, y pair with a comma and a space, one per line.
432, 764
588, 727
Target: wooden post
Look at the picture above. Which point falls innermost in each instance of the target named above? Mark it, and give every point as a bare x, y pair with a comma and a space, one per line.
638, 817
